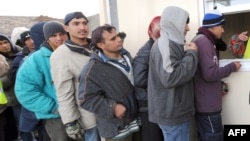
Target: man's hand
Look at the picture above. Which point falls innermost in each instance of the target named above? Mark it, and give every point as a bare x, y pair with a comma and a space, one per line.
74, 130
119, 111
237, 65
243, 36
191, 45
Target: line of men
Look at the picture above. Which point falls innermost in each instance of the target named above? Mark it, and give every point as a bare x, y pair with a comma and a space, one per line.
92, 89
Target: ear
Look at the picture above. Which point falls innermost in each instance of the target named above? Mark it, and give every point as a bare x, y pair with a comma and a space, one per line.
100, 45
66, 28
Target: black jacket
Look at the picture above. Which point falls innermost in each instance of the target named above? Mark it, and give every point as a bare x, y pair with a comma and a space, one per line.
140, 66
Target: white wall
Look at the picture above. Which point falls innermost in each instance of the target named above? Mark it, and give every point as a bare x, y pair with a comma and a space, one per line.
135, 16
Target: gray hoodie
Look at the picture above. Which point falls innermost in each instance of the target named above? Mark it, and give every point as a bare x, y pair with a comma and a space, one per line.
171, 69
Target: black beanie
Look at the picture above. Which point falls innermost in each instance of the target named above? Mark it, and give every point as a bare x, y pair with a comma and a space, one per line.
73, 15
52, 27
24, 36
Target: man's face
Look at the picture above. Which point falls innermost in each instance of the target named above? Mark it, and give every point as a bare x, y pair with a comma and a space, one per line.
78, 28
217, 31
5, 46
186, 29
30, 44
112, 42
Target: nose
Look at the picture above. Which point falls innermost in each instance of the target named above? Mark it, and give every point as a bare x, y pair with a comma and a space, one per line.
187, 28
119, 39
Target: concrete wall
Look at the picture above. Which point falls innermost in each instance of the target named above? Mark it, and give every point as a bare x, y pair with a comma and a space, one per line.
134, 17
8, 23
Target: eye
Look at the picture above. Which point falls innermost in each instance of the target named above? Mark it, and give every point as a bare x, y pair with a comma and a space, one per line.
85, 23
113, 38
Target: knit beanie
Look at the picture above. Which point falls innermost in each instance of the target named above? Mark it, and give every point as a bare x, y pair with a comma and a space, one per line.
52, 27
73, 15
36, 32
154, 28
213, 18
24, 36
17, 31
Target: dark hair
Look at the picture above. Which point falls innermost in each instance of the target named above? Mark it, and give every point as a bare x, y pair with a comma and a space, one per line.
122, 35
96, 36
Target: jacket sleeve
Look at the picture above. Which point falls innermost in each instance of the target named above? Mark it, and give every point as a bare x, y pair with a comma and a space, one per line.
65, 88
179, 68
209, 62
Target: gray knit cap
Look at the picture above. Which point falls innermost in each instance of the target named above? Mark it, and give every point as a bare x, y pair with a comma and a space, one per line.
52, 27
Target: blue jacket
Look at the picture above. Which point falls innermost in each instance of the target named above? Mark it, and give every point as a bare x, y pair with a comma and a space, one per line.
34, 86
20, 56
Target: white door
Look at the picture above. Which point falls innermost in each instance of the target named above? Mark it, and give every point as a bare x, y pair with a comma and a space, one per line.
235, 104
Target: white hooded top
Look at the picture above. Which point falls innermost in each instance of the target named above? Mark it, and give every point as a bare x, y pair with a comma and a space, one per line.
17, 31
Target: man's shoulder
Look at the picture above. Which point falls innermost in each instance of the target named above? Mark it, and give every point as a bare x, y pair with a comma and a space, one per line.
202, 40
61, 50
198, 37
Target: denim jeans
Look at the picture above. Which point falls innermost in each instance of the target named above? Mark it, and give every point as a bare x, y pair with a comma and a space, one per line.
92, 135
210, 127
25, 136
28, 121
178, 132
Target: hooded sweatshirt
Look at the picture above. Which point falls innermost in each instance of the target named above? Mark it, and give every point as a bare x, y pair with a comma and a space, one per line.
7, 79
171, 69
207, 80
17, 31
